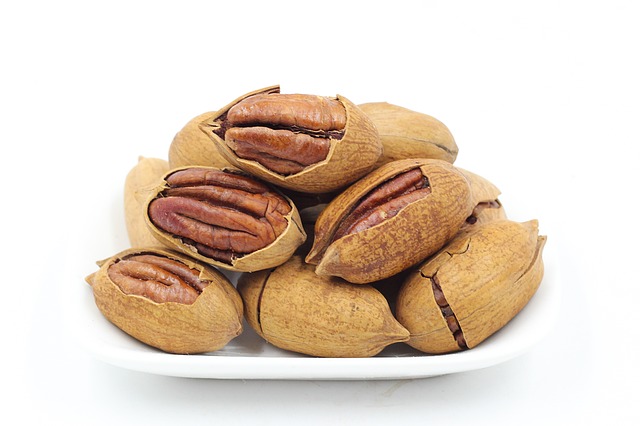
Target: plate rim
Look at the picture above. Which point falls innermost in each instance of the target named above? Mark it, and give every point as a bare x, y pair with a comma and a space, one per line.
543, 307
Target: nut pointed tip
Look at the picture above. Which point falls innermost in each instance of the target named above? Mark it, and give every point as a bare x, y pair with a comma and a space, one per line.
89, 279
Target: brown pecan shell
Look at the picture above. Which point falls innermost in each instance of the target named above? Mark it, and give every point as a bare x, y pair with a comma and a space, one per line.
484, 194
295, 309
141, 180
410, 134
191, 147
224, 217
167, 300
305, 143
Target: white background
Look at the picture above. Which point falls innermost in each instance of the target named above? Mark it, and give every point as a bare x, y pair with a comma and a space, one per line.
542, 97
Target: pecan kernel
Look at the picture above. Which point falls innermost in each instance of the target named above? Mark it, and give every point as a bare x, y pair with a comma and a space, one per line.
384, 202
157, 278
221, 214
285, 133
447, 313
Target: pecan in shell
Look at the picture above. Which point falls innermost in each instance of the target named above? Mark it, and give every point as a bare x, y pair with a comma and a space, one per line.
285, 133
167, 300
221, 214
389, 220
304, 143
472, 287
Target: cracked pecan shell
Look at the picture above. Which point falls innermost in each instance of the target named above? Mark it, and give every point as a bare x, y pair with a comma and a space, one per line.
474, 286
305, 143
139, 182
191, 147
167, 300
484, 195
393, 218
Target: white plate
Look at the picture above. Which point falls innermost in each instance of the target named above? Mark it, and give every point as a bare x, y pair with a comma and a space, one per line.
250, 357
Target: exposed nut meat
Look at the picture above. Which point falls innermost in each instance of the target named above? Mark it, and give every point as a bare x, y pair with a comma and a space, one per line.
157, 278
285, 133
448, 314
221, 214
385, 202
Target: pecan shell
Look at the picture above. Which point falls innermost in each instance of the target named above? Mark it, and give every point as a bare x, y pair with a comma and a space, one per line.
484, 196
191, 147
305, 143
410, 134
167, 300
225, 218
139, 183
295, 309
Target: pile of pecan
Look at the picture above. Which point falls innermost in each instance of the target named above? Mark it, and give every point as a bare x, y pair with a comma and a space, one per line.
349, 225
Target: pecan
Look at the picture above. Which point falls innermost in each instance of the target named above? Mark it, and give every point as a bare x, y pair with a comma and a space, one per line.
472, 287
167, 300
304, 143
384, 202
285, 133
221, 214
405, 133
396, 216
295, 309
157, 278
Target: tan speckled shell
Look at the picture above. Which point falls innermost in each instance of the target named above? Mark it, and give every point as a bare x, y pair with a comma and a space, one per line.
349, 158
214, 319
487, 277
483, 190
191, 147
417, 231
141, 180
274, 254
294, 309
405, 133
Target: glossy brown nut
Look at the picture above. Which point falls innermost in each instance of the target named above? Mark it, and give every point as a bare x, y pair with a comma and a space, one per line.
474, 286
391, 219
295, 309
305, 143
225, 218
167, 300
157, 278
284, 133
